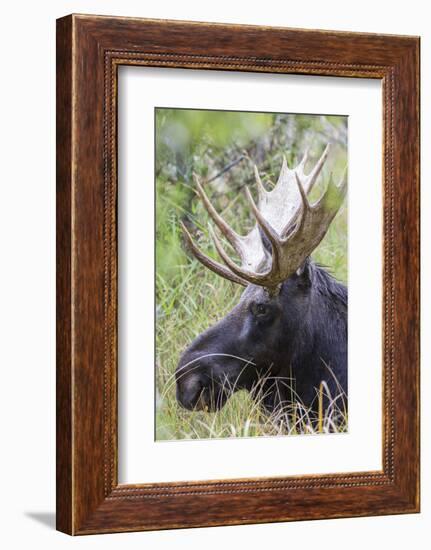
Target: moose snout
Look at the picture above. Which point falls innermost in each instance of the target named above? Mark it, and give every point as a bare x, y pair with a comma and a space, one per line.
191, 392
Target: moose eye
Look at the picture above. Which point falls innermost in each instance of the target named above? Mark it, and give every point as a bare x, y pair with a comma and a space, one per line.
260, 310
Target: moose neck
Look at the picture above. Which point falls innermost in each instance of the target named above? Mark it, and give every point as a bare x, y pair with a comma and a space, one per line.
320, 343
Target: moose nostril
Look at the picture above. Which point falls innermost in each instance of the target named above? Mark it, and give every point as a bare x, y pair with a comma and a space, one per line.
189, 391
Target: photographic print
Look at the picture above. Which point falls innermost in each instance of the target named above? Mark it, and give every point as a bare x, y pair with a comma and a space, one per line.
251, 274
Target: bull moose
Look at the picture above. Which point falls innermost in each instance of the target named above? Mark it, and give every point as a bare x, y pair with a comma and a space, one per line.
288, 333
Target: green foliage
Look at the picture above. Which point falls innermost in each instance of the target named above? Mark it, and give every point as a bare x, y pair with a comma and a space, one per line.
189, 297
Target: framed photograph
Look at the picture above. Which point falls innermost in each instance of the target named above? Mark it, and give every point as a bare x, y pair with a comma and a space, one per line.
237, 274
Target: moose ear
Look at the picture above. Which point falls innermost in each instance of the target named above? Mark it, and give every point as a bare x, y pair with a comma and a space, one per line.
304, 274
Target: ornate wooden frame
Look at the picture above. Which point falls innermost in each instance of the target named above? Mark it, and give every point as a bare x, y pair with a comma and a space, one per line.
89, 51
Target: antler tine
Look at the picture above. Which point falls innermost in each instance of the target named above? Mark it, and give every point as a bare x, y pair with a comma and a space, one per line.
304, 184
228, 232
301, 165
312, 226
333, 197
208, 262
294, 222
261, 279
261, 189
310, 180
305, 203
268, 230
297, 221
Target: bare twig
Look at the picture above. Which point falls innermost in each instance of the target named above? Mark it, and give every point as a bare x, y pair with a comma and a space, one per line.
226, 168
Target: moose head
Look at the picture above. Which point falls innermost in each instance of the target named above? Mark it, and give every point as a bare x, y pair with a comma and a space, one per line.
291, 321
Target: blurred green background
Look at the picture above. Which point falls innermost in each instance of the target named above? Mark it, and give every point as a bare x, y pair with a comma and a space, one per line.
221, 147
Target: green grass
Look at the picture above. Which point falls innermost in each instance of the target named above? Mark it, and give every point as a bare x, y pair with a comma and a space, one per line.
190, 298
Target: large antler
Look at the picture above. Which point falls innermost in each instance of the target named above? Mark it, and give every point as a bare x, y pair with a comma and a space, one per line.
292, 225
